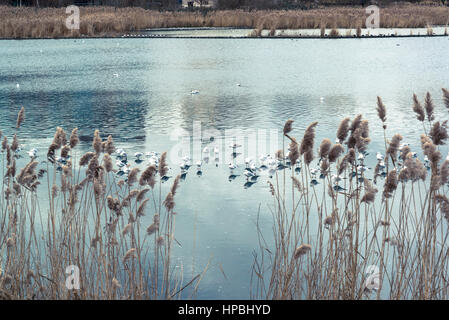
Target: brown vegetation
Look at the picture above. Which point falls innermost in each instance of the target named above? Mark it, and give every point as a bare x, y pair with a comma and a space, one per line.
85, 216
109, 21
343, 233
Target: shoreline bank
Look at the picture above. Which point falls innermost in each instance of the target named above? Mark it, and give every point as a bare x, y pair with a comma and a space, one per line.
236, 33
104, 22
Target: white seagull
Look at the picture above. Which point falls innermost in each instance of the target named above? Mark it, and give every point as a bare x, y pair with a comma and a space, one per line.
33, 153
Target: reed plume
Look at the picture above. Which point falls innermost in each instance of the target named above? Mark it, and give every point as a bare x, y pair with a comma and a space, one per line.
418, 109
153, 228
107, 162
438, 133
14, 143
343, 129
74, 140
324, 166
65, 151
288, 127
308, 156
116, 284
108, 145
279, 155
335, 152
302, 250
4, 143
127, 229
360, 136
443, 201
169, 202
431, 151
59, 138
175, 185
391, 184
141, 209
293, 155
429, 107
132, 176
343, 164
393, 147
131, 253
355, 123
20, 117
308, 139
296, 183
446, 98
381, 110
370, 192
325, 146
413, 169
444, 172
163, 168
97, 142
148, 176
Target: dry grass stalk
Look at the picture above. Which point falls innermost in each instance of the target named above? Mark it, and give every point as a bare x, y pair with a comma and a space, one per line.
348, 230
84, 216
26, 22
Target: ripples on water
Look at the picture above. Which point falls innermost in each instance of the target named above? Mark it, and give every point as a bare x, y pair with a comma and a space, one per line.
138, 90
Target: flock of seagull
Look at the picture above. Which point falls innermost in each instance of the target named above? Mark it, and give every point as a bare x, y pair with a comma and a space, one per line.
253, 168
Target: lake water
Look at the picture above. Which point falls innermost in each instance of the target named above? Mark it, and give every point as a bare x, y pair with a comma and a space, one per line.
140, 92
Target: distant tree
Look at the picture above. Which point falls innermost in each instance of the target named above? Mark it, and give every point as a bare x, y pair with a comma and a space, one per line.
229, 4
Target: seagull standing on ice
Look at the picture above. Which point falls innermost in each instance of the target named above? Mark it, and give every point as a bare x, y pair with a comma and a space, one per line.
185, 165
361, 157
248, 161
153, 160
216, 155
33, 153
206, 154
379, 156
121, 154
199, 172
138, 156
232, 166
249, 174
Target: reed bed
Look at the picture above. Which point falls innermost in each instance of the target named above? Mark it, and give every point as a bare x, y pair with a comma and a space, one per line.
109, 21
345, 232
340, 230
73, 210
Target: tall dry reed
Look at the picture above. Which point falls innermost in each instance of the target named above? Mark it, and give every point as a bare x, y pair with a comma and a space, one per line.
109, 21
346, 232
74, 210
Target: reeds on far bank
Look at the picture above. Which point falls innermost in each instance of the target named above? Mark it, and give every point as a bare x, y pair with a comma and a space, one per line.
343, 231
109, 21
76, 213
